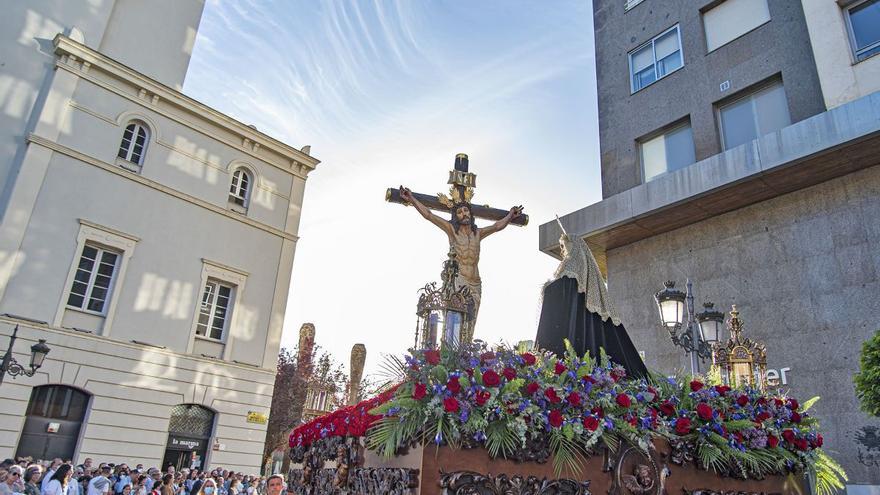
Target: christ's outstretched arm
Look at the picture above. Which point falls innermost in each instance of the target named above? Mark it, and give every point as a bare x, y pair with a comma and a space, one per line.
500, 224
406, 195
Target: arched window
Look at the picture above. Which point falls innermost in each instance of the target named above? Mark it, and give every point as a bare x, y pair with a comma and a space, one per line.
240, 188
55, 415
134, 143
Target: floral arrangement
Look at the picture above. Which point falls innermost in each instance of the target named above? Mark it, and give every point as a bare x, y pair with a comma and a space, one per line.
508, 400
351, 421
505, 399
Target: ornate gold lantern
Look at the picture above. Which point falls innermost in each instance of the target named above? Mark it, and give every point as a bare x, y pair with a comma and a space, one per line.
740, 360
445, 314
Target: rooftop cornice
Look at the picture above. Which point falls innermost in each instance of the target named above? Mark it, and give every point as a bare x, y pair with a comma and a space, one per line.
67, 46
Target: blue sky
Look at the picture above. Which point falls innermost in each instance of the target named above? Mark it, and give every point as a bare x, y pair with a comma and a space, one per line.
386, 93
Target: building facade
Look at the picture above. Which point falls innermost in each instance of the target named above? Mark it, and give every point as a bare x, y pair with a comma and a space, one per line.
148, 238
739, 145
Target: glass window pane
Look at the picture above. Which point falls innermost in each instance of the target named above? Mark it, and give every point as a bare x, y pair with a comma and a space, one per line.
772, 109
865, 20
82, 276
668, 64
96, 305
644, 78
679, 148
79, 288
75, 300
666, 45
738, 123
642, 59
90, 252
654, 157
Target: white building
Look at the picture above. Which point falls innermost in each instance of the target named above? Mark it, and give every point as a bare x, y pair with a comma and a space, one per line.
148, 238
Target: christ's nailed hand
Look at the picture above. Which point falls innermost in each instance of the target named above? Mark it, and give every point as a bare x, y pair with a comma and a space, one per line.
516, 211
405, 194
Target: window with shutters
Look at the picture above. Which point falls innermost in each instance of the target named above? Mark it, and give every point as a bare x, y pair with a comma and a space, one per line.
134, 145
240, 188
93, 280
214, 309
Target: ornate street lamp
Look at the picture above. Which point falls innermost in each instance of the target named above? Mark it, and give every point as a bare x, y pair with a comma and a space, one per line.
11, 366
445, 314
671, 304
741, 360
711, 323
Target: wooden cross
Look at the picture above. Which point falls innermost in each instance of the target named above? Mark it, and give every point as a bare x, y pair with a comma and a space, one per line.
462, 187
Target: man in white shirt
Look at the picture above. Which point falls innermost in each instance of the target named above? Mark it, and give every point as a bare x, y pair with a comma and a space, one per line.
100, 484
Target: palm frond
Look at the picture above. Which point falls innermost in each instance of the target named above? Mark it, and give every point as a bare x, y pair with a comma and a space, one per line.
567, 453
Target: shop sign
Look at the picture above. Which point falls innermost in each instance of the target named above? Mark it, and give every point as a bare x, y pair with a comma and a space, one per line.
53, 427
257, 417
184, 443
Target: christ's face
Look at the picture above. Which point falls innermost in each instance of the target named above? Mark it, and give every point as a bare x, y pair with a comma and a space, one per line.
463, 215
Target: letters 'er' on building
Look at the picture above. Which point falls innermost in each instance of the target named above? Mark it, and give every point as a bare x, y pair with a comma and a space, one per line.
739, 147
147, 237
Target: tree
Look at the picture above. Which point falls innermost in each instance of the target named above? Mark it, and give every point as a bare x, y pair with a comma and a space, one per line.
867, 380
295, 373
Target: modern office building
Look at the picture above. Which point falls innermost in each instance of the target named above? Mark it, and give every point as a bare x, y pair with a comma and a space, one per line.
148, 238
739, 148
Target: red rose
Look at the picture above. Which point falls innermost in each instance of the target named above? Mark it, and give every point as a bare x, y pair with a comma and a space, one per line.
432, 357
704, 411
509, 373
487, 356
667, 409
762, 416
482, 397
788, 435
772, 441
598, 411
453, 385
742, 400
450, 405
616, 375
591, 423
819, 440
574, 399
682, 426
528, 358
420, 391
722, 390
762, 401
793, 404
588, 379
470, 372
795, 417
555, 418
532, 387
633, 421
801, 444
550, 394
623, 400
778, 402
653, 391
696, 385
491, 379
559, 369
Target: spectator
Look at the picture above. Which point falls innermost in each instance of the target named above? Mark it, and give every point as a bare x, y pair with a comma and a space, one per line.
98, 483
56, 462
32, 479
139, 488
13, 483
126, 490
86, 465
275, 484
234, 487
58, 483
166, 487
209, 487
122, 478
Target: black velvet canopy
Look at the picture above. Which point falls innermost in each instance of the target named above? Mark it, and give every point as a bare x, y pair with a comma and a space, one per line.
565, 316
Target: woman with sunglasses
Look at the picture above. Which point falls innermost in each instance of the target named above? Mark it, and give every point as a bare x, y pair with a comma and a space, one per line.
13, 483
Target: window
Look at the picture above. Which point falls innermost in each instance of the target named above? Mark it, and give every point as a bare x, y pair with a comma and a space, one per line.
754, 115
93, 279
239, 190
672, 150
731, 19
134, 142
864, 27
655, 59
214, 310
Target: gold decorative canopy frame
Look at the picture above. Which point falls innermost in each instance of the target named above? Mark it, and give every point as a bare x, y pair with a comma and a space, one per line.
741, 361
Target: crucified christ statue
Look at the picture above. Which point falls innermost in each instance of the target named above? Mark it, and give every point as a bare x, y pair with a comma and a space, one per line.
464, 238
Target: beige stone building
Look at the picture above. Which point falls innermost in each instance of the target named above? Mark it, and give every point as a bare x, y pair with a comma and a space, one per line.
148, 238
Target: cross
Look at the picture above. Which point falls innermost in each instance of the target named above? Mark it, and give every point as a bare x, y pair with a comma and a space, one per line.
462, 187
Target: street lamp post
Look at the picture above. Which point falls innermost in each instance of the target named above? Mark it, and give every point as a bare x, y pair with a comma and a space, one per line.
11, 366
702, 330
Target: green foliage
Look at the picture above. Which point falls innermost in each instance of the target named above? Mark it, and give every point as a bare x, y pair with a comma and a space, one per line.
867, 380
567, 453
830, 478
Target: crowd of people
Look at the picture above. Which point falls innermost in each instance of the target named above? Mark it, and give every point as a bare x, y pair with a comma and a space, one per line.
56, 477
